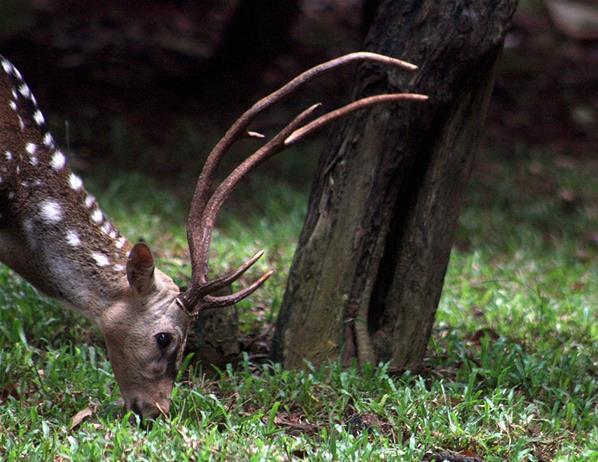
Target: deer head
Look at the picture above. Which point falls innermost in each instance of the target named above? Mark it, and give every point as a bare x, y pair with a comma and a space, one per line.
142, 314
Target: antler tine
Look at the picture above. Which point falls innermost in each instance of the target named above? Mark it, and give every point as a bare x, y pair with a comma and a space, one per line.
223, 281
227, 300
325, 119
204, 183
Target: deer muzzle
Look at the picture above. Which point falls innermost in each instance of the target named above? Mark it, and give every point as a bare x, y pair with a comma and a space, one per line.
147, 409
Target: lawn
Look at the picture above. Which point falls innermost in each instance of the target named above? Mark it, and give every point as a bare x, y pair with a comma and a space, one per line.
511, 372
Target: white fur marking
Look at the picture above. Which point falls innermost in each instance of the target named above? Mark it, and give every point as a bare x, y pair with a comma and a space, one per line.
89, 200
13, 105
31, 148
8, 155
118, 267
28, 225
8, 68
21, 123
120, 243
72, 238
106, 228
50, 211
15, 95
97, 216
48, 140
75, 182
17, 73
25, 91
58, 160
38, 117
100, 258
112, 234
33, 161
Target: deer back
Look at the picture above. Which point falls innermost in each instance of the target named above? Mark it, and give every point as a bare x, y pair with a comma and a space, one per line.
52, 231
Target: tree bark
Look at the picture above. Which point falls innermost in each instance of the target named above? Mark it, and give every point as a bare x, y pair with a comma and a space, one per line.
215, 337
368, 272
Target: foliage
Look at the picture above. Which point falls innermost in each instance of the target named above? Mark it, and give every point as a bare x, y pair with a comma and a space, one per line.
511, 373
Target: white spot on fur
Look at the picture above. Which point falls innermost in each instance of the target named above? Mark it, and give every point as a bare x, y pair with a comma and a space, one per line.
8, 155
58, 160
15, 95
48, 140
18, 169
75, 182
13, 105
97, 216
33, 161
119, 267
17, 73
31, 148
38, 117
21, 123
24, 90
89, 200
28, 225
72, 238
8, 67
51, 211
112, 234
106, 228
100, 258
120, 243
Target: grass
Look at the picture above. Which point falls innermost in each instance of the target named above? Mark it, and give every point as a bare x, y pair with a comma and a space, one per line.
511, 367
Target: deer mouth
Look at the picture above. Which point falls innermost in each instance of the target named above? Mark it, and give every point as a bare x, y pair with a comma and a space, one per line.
147, 410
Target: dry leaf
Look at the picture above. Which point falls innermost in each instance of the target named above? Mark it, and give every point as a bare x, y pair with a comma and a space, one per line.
80, 417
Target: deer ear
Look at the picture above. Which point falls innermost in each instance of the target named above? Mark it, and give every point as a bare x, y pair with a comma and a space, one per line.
140, 268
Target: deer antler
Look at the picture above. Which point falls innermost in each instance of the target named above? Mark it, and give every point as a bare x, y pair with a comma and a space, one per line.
204, 208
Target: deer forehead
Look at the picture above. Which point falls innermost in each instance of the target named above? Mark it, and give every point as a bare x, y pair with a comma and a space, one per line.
132, 322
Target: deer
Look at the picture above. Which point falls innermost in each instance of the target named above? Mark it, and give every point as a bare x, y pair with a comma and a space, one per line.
54, 234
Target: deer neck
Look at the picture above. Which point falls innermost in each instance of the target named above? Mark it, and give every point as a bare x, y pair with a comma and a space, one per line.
52, 231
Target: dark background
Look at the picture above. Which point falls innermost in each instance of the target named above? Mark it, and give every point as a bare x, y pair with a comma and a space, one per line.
149, 85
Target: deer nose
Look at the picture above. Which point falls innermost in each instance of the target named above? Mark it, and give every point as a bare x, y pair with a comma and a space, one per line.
136, 408
149, 410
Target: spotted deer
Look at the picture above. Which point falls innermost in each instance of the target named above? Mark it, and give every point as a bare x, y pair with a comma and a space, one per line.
55, 235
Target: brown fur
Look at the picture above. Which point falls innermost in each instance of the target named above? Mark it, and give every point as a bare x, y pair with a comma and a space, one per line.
52, 234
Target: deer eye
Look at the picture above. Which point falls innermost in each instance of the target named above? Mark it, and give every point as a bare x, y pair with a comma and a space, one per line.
163, 339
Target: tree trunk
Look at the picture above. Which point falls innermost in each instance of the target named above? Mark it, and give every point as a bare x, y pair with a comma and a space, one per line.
215, 337
368, 272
